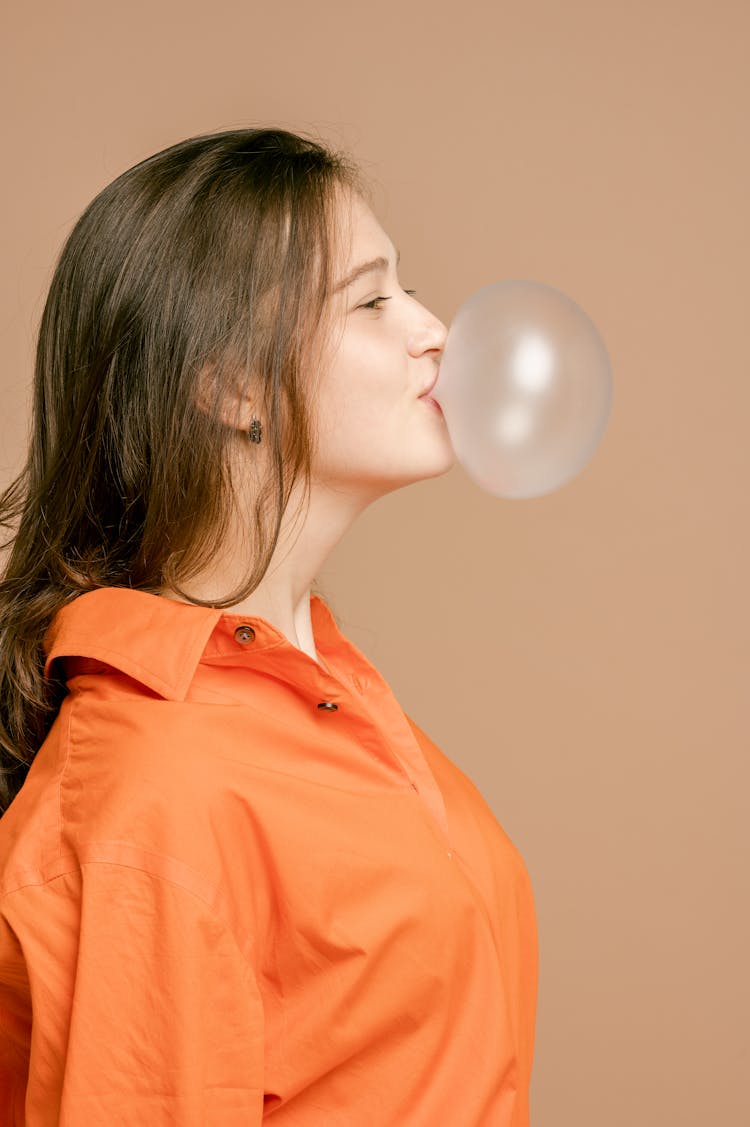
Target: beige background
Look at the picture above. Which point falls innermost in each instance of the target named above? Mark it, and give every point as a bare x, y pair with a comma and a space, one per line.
582, 656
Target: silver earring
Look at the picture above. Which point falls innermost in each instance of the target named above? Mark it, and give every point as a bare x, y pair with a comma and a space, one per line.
254, 434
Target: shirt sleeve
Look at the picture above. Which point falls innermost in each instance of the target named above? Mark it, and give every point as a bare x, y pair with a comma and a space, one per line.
144, 1008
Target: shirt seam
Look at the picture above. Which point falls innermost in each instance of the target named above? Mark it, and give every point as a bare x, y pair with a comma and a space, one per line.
244, 944
217, 894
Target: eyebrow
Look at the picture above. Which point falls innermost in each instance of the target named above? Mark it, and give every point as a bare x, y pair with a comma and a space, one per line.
378, 263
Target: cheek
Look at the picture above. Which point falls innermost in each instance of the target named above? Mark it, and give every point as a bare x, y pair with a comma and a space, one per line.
355, 416
369, 364
348, 415
361, 387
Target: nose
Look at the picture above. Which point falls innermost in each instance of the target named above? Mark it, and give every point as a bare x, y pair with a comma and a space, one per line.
430, 335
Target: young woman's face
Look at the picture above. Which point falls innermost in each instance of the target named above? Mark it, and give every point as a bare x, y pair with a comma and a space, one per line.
376, 434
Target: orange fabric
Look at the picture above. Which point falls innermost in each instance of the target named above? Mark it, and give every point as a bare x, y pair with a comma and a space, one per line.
222, 903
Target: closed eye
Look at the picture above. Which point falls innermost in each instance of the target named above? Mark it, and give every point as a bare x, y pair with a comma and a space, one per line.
374, 304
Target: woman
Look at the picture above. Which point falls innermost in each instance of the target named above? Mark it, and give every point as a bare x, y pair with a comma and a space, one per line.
236, 881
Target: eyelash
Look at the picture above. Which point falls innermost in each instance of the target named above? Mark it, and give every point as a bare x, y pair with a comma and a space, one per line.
374, 303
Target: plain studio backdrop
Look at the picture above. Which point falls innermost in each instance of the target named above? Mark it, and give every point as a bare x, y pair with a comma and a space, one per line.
583, 656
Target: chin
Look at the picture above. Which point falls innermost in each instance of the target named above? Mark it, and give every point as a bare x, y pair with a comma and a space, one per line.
438, 471
428, 471
446, 462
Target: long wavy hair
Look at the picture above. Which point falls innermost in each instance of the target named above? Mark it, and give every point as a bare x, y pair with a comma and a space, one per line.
214, 255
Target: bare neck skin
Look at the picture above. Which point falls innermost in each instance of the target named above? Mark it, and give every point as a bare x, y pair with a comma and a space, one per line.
283, 596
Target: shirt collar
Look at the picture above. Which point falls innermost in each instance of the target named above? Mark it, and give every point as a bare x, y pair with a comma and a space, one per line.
160, 642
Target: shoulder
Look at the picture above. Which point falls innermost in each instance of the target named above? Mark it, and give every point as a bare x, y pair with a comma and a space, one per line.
121, 782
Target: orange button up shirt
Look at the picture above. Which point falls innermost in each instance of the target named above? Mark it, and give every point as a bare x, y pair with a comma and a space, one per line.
237, 886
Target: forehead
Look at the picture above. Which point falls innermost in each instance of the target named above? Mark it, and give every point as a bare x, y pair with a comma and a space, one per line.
360, 234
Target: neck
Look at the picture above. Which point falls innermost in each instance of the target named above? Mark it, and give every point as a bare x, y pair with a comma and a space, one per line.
282, 597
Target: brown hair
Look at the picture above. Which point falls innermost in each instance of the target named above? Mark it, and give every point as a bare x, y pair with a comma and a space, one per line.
215, 254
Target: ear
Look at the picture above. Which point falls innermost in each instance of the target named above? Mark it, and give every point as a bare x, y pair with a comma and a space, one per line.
221, 390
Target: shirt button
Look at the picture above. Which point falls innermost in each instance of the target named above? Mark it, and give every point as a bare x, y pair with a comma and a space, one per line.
328, 705
244, 634
449, 854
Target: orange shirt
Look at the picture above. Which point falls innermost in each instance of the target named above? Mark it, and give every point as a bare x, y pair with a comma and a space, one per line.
236, 886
